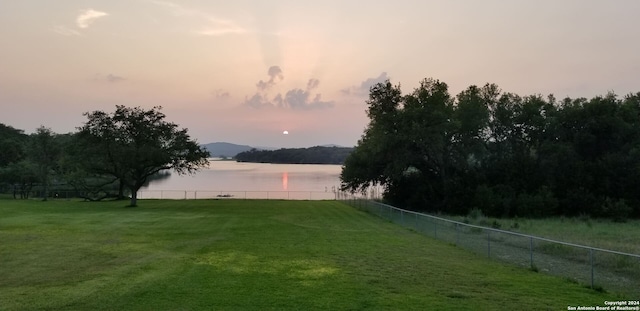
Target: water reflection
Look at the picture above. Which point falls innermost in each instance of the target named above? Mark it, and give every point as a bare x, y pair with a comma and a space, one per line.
285, 180
234, 176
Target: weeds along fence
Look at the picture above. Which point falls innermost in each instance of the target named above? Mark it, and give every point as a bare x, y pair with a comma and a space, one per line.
600, 269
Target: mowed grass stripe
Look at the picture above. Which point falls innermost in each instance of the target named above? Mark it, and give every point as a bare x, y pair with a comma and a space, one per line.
248, 255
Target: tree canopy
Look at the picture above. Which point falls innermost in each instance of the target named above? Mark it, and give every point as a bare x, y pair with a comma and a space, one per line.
505, 154
44, 151
119, 151
11, 145
133, 144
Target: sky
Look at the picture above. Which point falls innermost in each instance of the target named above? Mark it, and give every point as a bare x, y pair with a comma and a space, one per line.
245, 71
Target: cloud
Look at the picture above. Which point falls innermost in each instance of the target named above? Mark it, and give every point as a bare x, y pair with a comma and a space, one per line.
365, 86
110, 78
65, 31
275, 75
83, 21
258, 101
213, 25
87, 17
278, 100
222, 95
275, 72
312, 84
167, 4
294, 99
220, 27
113, 78
297, 99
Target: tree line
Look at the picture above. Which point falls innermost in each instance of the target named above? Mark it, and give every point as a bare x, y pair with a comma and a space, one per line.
504, 154
110, 155
313, 155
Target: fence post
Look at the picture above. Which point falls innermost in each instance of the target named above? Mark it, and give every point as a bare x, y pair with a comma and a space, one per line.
457, 235
402, 217
435, 229
591, 260
531, 251
489, 243
416, 222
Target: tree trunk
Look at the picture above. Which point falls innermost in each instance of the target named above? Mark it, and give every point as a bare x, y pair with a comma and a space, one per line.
46, 188
134, 197
121, 190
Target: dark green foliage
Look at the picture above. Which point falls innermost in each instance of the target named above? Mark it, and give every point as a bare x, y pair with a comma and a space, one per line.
83, 168
313, 155
13, 173
110, 155
29, 161
618, 210
12, 144
132, 145
501, 153
44, 151
19, 177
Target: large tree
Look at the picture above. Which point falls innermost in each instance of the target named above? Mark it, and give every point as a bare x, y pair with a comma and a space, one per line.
505, 154
44, 152
82, 167
12, 143
368, 164
12, 151
134, 144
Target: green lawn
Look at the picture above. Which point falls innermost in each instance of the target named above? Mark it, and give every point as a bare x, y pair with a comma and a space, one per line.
249, 255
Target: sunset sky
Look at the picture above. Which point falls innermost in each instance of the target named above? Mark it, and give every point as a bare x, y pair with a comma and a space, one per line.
245, 71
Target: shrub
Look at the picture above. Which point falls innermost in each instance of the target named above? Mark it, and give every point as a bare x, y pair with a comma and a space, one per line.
475, 214
618, 210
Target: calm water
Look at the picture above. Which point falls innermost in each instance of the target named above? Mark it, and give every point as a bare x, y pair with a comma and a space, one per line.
233, 176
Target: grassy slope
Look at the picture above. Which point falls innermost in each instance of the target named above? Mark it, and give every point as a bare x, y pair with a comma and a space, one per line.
188, 255
602, 233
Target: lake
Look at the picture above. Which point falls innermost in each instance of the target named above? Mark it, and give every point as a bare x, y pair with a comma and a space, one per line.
230, 179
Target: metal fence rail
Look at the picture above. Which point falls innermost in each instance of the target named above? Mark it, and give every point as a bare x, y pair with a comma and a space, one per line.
594, 267
221, 194
199, 194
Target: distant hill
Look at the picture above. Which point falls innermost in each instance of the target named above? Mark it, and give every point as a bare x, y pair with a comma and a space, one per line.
222, 149
313, 155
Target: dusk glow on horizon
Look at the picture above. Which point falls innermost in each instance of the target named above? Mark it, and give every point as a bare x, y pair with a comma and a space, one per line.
238, 71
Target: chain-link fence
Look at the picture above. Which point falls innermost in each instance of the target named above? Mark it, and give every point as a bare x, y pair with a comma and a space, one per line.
594, 267
185, 194
217, 194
